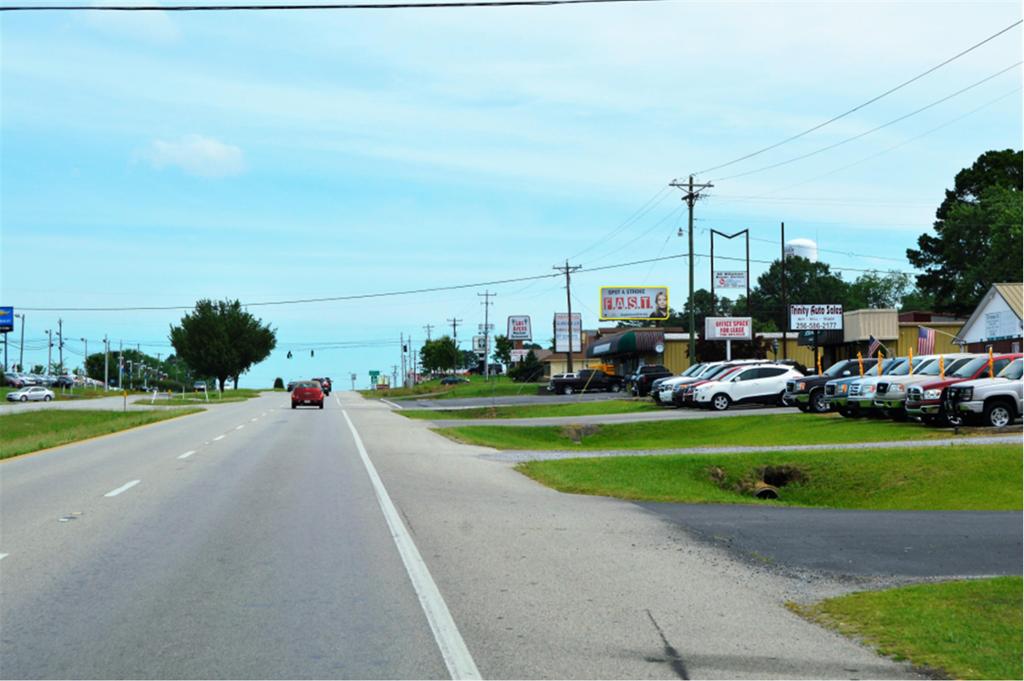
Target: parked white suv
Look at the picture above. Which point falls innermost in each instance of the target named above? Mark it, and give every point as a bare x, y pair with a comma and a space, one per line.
764, 383
998, 401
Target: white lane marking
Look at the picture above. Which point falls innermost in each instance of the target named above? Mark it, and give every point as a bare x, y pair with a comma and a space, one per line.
449, 641
338, 400
4, 555
254, 419
239, 427
187, 454
219, 437
122, 488
396, 406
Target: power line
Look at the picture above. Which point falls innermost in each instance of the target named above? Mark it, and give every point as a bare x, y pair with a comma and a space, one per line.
872, 130
317, 6
864, 104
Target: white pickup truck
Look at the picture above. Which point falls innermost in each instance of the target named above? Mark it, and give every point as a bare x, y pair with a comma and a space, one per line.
997, 401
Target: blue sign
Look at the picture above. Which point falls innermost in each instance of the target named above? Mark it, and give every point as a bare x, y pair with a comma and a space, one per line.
6, 319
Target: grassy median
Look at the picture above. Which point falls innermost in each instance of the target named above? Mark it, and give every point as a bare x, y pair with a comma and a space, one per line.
964, 630
983, 477
32, 431
758, 430
522, 411
498, 386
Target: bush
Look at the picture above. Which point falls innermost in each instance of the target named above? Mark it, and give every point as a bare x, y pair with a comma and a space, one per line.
278, 383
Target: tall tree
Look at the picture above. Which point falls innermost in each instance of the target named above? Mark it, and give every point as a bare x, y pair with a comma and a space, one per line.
439, 354
875, 290
503, 349
977, 239
807, 283
222, 340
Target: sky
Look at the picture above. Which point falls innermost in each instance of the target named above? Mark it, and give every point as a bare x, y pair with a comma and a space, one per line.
151, 159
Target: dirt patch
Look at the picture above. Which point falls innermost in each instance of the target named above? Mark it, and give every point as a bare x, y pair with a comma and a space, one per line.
765, 482
576, 432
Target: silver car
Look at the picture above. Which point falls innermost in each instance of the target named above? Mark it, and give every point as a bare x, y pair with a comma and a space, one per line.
34, 393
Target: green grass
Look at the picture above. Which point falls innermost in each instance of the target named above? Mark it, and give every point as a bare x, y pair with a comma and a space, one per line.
41, 429
498, 386
519, 411
198, 398
965, 630
984, 477
776, 429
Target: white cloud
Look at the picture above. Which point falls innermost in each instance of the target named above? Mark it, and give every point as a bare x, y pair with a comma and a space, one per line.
197, 155
154, 27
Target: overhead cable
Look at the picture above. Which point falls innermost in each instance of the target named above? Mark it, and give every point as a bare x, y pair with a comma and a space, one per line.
862, 105
313, 6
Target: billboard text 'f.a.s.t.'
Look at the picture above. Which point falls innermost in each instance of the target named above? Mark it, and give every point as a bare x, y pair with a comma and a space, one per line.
634, 303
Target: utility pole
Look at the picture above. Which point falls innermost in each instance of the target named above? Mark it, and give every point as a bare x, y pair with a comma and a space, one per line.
106, 362
49, 350
401, 345
455, 337
487, 295
394, 375
691, 197
353, 379
785, 307
567, 269
85, 362
427, 328
60, 342
120, 365
21, 350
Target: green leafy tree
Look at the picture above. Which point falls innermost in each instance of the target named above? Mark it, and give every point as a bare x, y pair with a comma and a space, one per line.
278, 383
977, 239
874, 290
439, 354
530, 369
222, 340
807, 283
503, 349
38, 369
915, 300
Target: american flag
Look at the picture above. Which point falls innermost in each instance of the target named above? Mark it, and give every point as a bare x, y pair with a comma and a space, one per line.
873, 345
925, 341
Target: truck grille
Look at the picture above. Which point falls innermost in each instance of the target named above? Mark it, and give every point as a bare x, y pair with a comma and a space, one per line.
914, 393
830, 390
883, 388
855, 389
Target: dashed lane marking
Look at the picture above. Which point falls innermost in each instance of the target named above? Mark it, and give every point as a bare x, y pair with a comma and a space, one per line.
187, 454
396, 406
4, 555
219, 437
123, 488
239, 427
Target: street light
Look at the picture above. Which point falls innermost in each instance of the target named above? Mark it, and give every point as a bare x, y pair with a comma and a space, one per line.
21, 349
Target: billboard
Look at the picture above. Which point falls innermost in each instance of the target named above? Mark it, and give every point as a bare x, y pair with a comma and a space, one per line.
480, 345
730, 279
728, 328
519, 328
519, 355
816, 317
562, 332
634, 302
6, 319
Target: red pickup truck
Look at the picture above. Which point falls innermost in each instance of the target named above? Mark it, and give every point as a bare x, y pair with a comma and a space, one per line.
926, 400
307, 392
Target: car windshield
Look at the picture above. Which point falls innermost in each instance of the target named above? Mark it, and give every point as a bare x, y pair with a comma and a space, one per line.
903, 367
1013, 370
695, 369
717, 372
948, 366
306, 384
838, 368
968, 368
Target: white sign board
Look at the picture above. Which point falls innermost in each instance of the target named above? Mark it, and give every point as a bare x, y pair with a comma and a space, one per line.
816, 317
1001, 325
730, 279
519, 355
728, 328
562, 332
479, 344
519, 328
634, 302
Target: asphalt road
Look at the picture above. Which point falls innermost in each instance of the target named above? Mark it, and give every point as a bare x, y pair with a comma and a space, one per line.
253, 541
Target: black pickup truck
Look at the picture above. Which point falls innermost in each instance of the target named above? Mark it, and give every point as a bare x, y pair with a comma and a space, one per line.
808, 393
584, 380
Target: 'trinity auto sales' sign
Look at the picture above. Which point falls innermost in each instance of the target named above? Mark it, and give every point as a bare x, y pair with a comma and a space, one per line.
634, 302
816, 317
727, 328
519, 328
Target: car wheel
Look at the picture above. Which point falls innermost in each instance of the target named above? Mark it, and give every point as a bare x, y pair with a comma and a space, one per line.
998, 415
567, 390
720, 402
616, 387
24, 398
321, 405
46, 398
293, 405
818, 404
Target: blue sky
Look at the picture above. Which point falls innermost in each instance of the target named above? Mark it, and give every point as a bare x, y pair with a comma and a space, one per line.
151, 159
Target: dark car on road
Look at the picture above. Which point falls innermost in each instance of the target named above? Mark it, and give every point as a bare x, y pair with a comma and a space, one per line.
584, 381
641, 380
307, 393
453, 380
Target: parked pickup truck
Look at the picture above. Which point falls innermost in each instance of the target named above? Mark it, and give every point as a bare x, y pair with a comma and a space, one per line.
998, 401
807, 393
927, 400
584, 380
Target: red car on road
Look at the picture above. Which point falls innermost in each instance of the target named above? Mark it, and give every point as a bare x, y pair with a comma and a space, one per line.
307, 392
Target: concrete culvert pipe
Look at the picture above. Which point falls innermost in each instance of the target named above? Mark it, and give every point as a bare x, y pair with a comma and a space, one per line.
763, 490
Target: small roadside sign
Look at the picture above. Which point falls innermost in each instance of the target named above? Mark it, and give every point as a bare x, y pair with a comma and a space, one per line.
6, 319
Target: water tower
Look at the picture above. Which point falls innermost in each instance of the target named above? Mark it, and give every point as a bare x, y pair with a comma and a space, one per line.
805, 248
